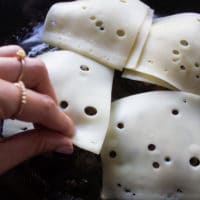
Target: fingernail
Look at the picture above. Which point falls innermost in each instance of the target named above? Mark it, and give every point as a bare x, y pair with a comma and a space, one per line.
65, 150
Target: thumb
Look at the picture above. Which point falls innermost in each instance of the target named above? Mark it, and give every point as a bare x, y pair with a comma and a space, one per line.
21, 147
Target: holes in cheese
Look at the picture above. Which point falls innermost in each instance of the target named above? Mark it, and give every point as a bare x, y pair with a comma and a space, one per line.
64, 104
126, 190
120, 125
24, 128
84, 7
174, 52
182, 67
175, 111
119, 185
196, 64
156, 165
84, 68
176, 60
96, 31
185, 100
151, 147
112, 154
91, 111
93, 17
121, 33
99, 23
167, 159
194, 161
179, 190
83, 89
158, 155
184, 43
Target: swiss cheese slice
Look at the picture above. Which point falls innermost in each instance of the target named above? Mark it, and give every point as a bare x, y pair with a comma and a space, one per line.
104, 30
83, 89
172, 51
13, 127
152, 149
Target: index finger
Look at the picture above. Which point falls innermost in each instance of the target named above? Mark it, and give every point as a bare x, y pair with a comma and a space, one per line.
35, 74
9, 50
39, 109
45, 112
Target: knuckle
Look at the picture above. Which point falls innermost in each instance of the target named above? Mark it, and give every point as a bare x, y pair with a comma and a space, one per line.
37, 66
41, 70
41, 67
37, 71
48, 103
16, 47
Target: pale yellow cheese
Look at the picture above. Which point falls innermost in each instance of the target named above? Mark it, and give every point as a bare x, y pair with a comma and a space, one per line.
83, 89
140, 41
104, 30
172, 51
152, 149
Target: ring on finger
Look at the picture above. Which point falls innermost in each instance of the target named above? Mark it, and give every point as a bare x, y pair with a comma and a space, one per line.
23, 100
21, 54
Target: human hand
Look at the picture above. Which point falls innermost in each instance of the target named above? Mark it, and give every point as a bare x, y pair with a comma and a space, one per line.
54, 128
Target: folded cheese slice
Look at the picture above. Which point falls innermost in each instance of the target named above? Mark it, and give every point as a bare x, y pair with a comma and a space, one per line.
152, 149
83, 89
100, 29
147, 78
140, 41
172, 51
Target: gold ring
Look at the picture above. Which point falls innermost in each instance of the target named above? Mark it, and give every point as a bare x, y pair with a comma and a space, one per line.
23, 100
21, 54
